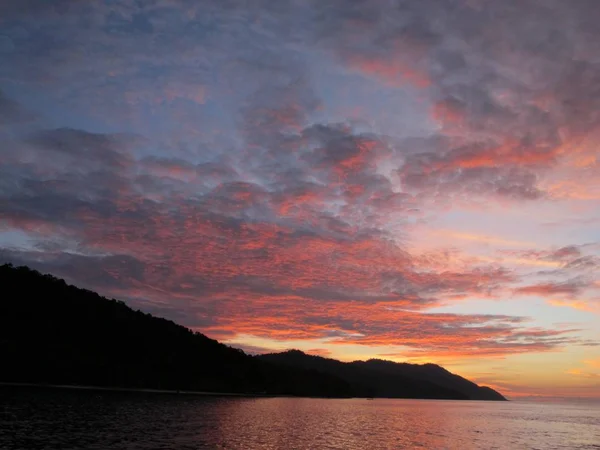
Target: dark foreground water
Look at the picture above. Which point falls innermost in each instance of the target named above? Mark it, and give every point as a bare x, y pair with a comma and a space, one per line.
33, 418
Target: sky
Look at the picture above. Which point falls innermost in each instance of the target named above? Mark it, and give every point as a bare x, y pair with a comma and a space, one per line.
408, 180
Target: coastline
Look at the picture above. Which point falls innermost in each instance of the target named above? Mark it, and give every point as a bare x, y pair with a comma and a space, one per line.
211, 394
139, 390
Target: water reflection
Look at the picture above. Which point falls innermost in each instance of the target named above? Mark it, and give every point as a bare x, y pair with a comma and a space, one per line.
55, 419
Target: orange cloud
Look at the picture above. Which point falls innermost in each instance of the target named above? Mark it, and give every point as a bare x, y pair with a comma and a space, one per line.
583, 374
547, 289
390, 70
581, 305
448, 113
509, 153
483, 238
593, 363
573, 189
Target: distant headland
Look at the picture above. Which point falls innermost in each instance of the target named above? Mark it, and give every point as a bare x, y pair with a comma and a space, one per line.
57, 334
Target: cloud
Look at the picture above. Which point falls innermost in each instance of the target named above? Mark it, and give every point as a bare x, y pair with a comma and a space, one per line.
588, 371
11, 112
53, 175
211, 261
487, 70
497, 68
207, 180
593, 363
481, 238
566, 261
250, 349
81, 146
569, 288
581, 305
434, 174
432, 335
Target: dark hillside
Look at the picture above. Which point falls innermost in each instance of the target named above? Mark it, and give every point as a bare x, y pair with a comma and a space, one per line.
54, 333
377, 378
51, 332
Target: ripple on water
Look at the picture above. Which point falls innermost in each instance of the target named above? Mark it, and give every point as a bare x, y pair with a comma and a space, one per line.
62, 419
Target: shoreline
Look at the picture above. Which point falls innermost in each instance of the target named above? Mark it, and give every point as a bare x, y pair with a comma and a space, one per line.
138, 390
213, 394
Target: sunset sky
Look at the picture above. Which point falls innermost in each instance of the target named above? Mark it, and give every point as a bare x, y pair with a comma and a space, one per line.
409, 180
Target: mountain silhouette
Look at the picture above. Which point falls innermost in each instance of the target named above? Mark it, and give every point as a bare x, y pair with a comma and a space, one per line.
54, 333
379, 378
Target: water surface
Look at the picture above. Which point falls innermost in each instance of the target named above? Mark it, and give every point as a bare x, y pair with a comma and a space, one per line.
33, 418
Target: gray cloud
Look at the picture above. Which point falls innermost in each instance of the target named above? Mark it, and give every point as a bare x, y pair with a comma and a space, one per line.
245, 194
11, 112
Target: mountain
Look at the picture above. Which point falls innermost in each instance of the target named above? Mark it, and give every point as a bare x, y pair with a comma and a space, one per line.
378, 378
51, 332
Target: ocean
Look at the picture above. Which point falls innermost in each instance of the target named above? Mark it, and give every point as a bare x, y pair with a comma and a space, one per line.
39, 418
